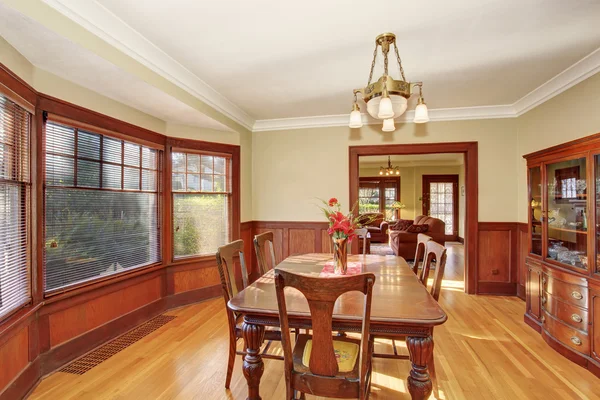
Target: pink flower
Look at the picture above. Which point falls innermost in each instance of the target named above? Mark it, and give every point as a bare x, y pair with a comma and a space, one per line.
333, 201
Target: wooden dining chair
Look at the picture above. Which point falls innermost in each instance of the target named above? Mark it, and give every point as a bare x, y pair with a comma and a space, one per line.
361, 233
433, 252
226, 257
422, 240
261, 242
320, 364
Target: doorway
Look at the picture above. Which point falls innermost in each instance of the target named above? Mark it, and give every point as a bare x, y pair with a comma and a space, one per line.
470, 153
440, 200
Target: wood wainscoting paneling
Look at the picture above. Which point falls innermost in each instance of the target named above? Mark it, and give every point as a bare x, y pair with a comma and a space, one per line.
498, 258
292, 237
14, 355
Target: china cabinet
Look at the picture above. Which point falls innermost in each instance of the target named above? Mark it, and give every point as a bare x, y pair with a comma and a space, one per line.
563, 264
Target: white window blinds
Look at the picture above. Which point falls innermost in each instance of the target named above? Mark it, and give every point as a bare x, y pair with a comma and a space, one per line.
15, 282
102, 206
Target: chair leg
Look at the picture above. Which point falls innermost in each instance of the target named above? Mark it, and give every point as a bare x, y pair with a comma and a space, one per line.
231, 360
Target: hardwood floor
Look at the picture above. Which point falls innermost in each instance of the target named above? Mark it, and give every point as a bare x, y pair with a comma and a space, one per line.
484, 351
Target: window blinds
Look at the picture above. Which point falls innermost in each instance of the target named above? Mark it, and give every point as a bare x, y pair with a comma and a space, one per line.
201, 203
15, 286
102, 206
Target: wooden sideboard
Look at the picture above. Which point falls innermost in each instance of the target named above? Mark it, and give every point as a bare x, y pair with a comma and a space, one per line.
563, 261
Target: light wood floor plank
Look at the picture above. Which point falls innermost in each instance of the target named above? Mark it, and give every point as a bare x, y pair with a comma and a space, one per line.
484, 351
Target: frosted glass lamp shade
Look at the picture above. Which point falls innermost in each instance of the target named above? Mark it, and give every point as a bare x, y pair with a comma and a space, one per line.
355, 119
399, 105
421, 114
386, 110
388, 125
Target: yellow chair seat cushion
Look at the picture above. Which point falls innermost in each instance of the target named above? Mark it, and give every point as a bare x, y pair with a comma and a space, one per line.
346, 354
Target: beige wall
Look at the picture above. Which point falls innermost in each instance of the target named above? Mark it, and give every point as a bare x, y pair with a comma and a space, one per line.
293, 167
55, 86
568, 116
411, 187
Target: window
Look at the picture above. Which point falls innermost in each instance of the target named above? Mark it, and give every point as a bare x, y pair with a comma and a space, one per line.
377, 195
15, 288
201, 203
102, 206
567, 183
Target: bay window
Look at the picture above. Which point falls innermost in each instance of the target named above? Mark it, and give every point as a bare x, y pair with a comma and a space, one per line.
201, 185
15, 186
101, 205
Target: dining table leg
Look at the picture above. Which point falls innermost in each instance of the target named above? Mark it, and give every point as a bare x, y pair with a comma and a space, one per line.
419, 381
254, 366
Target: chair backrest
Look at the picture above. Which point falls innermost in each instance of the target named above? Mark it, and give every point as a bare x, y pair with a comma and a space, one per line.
422, 240
261, 242
226, 264
362, 234
321, 294
437, 252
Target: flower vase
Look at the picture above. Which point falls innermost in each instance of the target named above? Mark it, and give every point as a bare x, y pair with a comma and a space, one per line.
340, 256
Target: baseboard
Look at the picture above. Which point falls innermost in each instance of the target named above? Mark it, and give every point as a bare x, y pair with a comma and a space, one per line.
497, 288
24, 383
60, 355
461, 240
535, 324
57, 357
521, 291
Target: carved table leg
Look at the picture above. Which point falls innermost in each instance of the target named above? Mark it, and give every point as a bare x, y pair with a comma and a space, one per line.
419, 382
253, 364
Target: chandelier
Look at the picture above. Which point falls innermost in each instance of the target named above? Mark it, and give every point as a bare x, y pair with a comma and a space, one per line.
389, 170
387, 98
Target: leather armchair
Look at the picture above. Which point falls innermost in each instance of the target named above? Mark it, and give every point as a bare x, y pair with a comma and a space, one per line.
404, 243
378, 227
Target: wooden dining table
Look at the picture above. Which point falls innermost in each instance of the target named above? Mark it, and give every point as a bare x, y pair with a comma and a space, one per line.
401, 307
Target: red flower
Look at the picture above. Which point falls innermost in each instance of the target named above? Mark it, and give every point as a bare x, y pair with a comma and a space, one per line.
333, 201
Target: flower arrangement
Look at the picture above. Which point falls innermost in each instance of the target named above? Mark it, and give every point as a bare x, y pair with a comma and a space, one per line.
340, 226
342, 229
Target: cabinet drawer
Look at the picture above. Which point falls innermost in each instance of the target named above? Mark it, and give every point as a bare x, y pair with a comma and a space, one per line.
572, 338
566, 313
568, 292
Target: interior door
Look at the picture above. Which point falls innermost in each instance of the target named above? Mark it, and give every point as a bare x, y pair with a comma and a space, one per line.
440, 200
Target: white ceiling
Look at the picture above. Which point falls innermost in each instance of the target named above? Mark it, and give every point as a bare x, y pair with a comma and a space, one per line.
281, 59
53, 53
270, 60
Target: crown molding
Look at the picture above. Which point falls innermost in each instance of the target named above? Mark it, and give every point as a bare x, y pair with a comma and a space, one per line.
107, 26
110, 28
578, 72
440, 114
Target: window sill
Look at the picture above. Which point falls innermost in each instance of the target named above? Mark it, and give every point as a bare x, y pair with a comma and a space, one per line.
91, 285
193, 259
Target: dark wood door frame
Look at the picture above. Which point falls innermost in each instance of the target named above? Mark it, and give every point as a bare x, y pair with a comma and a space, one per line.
446, 178
469, 149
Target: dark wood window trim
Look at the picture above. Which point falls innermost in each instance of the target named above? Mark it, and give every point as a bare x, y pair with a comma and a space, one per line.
381, 183
40, 106
232, 152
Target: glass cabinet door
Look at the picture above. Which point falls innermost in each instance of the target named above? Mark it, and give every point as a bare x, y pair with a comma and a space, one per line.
566, 213
535, 209
596, 230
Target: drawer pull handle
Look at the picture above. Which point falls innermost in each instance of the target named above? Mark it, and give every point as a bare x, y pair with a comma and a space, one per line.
544, 300
544, 280
543, 319
576, 318
576, 341
576, 295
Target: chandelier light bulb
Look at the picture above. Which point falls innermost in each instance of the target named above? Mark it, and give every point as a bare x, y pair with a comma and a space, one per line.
388, 125
355, 117
386, 109
421, 112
